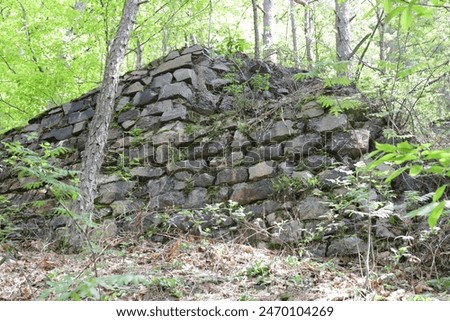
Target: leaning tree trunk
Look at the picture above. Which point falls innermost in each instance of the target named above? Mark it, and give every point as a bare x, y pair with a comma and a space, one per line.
269, 28
256, 28
98, 127
343, 37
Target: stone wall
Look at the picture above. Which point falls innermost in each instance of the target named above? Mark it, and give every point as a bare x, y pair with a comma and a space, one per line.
193, 129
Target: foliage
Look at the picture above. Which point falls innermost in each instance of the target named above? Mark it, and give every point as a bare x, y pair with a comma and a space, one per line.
72, 288
338, 105
416, 160
39, 168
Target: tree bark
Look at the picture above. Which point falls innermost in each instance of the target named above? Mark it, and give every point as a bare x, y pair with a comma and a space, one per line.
256, 28
308, 29
269, 27
294, 34
98, 128
343, 36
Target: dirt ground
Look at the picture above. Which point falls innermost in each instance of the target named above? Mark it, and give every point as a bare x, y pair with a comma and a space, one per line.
189, 268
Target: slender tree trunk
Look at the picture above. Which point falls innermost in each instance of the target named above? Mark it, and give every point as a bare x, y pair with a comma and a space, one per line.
381, 32
269, 28
138, 54
343, 37
256, 28
308, 29
294, 34
98, 127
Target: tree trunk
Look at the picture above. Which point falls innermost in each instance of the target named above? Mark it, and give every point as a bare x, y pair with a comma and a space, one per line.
308, 29
98, 127
256, 28
343, 38
294, 34
138, 55
269, 27
381, 32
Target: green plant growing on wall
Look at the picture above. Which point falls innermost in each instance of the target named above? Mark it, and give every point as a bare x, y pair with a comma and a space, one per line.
42, 173
260, 82
338, 105
416, 160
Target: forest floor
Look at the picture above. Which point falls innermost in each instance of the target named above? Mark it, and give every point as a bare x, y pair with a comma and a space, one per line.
200, 269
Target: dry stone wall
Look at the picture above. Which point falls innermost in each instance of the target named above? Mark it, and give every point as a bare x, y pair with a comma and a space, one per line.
193, 130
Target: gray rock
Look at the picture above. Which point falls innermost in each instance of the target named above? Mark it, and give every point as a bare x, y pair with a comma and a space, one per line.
267, 153
290, 232
166, 137
303, 144
161, 80
133, 88
192, 49
328, 123
148, 123
353, 143
79, 127
279, 132
186, 75
125, 207
51, 121
347, 246
287, 168
176, 90
263, 209
128, 115
246, 193
77, 106
78, 117
31, 128
197, 198
172, 55
205, 103
144, 97
334, 178
162, 154
123, 101
147, 172
114, 191
203, 180
261, 170
59, 134
312, 110
232, 176
176, 63
168, 200
190, 165
317, 161
127, 124
311, 208
303, 176
179, 112
220, 66
240, 141
157, 108
226, 104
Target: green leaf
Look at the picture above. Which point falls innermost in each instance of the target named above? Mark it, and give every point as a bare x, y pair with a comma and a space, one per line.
435, 214
387, 6
406, 19
380, 161
388, 148
439, 192
415, 170
405, 147
396, 173
424, 210
394, 13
